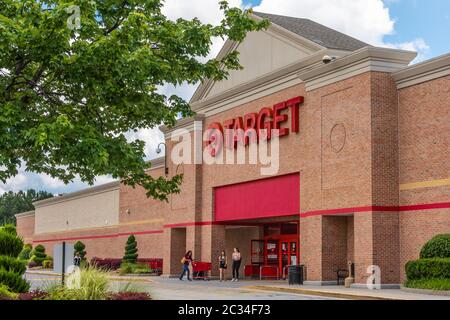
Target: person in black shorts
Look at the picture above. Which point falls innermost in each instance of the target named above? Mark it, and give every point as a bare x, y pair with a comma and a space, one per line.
222, 266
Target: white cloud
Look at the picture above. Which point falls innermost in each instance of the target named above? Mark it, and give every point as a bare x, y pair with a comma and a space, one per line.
419, 45
367, 20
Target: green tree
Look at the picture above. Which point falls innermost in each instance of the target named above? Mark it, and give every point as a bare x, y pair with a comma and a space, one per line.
38, 254
130, 250
79, 248
11, 268
12, 203
69, 93
26, 251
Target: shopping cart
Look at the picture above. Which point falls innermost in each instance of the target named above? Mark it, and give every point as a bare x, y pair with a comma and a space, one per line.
201, 270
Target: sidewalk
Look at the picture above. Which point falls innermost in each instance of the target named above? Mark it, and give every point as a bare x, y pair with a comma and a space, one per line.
348, 293
112, 276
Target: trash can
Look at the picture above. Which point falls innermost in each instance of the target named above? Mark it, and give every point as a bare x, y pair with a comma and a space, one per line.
295, 274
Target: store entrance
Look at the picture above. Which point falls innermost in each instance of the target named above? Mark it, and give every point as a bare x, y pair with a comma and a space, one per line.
278, 249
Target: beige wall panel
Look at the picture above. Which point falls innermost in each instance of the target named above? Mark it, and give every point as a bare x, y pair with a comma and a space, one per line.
91, 211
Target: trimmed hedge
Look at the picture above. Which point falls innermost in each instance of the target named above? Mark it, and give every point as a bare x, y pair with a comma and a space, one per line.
25, 253
38, 254
14, 281
429, 284
436, 268
10, 244
79, 248
12, 264
438, 247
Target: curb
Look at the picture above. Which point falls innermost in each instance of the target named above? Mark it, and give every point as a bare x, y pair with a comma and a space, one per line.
112, 277
320, 293
426, 291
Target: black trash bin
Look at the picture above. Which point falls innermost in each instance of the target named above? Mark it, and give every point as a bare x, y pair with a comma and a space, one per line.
295, 274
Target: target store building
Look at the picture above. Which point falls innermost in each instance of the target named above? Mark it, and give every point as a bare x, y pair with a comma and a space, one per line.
363, 177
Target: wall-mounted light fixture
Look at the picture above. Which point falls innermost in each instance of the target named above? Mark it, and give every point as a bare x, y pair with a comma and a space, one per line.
158, 151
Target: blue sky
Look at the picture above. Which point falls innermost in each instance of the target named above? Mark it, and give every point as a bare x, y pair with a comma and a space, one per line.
419, 25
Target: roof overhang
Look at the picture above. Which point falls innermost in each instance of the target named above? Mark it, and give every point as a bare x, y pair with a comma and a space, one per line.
358, 62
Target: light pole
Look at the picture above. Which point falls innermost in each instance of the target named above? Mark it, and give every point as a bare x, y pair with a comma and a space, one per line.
158, 151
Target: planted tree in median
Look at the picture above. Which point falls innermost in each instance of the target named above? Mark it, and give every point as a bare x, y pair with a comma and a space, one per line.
131, 251
79, 248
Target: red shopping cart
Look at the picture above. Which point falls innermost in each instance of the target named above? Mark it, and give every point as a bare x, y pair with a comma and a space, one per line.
201, 270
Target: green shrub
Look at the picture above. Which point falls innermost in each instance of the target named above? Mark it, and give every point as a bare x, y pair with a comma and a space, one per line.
13, 281
79, 248
438, 247
12, 264
26, 251
131, 250
5, 294
38, 255
10, 244
428, 269
126, 268
47, 264
93, 285
9, 228
429, 284
141, 268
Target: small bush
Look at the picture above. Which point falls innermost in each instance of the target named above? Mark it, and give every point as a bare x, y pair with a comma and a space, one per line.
126, 268
438, 247
129, 296
131, 250
12, 264
32, 264
79, 248
10, 244
428, 269
429, 284
38, 254
9, 228
6, 294
93, 285
141, 268
47, 264
14, 281
25, 253
33, 295
109, 264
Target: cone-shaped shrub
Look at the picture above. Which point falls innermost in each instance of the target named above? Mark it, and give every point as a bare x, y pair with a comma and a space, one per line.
38, 254
11, 268
13, 281
10, 228
12, 264
79, 248
25, 254
10, 244
131, 250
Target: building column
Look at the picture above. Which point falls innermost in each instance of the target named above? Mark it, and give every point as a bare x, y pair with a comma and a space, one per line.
175, 238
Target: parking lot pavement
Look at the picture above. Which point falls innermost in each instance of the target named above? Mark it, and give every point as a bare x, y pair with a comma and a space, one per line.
174, 289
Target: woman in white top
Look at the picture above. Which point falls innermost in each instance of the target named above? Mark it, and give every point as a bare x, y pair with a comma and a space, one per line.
236, 264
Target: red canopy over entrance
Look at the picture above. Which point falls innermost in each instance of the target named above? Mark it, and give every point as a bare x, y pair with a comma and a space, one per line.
273, 197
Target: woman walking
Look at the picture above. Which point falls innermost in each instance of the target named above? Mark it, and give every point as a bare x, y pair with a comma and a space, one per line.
186, 261
236, 257
222, 266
